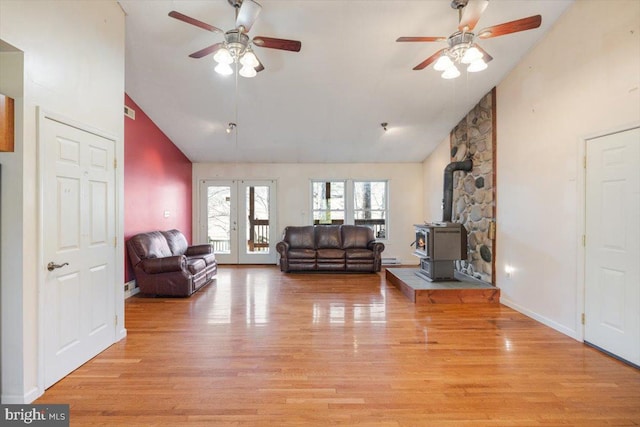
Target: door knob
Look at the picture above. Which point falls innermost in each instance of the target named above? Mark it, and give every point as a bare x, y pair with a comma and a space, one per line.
52, 266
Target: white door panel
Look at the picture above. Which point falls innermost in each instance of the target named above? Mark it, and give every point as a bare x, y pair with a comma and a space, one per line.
612, 271
79, 240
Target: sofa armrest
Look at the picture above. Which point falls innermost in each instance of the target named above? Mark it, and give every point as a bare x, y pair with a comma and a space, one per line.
282, 247
164, 265
199, 250
376, 247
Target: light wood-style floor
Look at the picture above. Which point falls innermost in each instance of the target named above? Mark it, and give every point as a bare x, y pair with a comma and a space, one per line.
262, 348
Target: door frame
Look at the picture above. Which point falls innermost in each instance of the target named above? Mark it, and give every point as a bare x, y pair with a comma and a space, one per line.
119, 331
581, 220
201, 227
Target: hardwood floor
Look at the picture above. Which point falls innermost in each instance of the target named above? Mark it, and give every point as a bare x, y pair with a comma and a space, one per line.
263, 348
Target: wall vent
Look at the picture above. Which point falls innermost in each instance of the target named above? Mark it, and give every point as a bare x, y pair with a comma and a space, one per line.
390, 261
130, 112
130, 289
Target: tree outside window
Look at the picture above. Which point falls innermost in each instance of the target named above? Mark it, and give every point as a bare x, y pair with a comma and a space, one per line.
370, 206
328, 202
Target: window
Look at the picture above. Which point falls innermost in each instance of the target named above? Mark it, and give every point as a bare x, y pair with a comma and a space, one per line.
352, 202
370, 206
328, 202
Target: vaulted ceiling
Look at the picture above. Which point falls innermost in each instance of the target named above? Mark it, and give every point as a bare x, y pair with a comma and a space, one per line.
326, 103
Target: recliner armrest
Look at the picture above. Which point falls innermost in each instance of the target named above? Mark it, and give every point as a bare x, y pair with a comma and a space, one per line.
376, 247
282, 247
199, 250
164, 265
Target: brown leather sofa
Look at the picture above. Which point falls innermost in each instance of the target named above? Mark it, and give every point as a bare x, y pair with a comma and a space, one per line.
348, 248
164, 264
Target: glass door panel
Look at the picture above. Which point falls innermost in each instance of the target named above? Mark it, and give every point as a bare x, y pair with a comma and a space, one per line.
219, 224
258, 225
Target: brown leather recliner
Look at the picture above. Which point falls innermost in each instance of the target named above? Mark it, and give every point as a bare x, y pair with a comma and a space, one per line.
164, 263
348, 248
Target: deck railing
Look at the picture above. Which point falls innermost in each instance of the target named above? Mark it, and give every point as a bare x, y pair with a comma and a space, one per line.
258, 240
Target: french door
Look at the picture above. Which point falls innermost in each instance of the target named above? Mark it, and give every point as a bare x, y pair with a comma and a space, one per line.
239, 218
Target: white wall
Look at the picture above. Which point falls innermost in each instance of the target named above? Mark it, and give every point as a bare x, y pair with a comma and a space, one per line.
433, 176
293, 181
582, 79
74, 67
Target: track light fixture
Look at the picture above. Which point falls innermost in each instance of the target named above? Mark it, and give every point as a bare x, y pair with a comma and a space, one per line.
384, 125
231, 127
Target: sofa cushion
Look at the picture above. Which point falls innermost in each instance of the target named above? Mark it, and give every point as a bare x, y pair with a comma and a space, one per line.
353, 254
299, 237
354, 236
207, 258
195, 265
328, 237
301, 254
176, 241
150, 245
330, 254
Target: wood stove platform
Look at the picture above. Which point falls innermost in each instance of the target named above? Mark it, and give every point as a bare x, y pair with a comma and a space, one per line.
421, 291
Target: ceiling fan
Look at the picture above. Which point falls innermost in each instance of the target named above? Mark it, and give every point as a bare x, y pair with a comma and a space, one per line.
236, 47
462, 46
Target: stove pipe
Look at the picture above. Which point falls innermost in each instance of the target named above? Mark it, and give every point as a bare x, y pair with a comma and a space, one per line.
447, 201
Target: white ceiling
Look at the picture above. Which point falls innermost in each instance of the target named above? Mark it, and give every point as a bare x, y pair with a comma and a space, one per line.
325, 103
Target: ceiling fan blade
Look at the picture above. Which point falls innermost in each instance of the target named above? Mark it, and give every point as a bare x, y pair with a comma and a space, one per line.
282, 44
511, 27
429, 60
471, 14
485, 55
247, 15
206, 51
421, 39
189, 20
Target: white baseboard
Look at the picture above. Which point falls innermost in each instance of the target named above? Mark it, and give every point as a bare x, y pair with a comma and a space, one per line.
28, 397
544, 320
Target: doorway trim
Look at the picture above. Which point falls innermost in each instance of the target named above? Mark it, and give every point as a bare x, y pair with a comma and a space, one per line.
118, 288
581, 223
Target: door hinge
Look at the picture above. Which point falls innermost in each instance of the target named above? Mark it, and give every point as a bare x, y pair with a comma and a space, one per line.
116, 320
584, 162
115, 242
582, 318
584, 240
115, 163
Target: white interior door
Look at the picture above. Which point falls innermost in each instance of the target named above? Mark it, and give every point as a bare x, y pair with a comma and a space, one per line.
238, 218
612, 264
78, 217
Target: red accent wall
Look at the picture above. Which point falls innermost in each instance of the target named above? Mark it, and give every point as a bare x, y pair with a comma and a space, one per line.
157, 178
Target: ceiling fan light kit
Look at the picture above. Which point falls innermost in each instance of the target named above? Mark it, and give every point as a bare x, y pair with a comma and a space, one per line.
236, 47
462, 48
